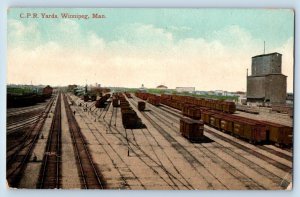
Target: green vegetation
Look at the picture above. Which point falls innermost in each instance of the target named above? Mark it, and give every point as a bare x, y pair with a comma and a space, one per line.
131, 90
172, 91
19, 90
232, 98
158, 91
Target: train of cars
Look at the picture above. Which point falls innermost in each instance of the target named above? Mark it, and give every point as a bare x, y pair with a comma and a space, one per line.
18, 98
220, 115
150, 98
130, 119
199, 111
101, 103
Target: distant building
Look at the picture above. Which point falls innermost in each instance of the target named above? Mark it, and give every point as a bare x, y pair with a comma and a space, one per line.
200, 92
71, 87
220, 92
267, 84
162, 87
185, 89
242, 98
142, 88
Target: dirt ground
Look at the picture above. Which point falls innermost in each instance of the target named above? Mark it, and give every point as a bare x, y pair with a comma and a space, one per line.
163, 159
158, 157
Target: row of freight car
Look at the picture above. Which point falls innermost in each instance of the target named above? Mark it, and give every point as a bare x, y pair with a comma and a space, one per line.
209, 111
28, 99
255, 131
252, 130
150, 98
130, 119
178, 101
128, 95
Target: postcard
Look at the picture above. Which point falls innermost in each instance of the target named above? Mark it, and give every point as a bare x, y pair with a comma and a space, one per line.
150, 98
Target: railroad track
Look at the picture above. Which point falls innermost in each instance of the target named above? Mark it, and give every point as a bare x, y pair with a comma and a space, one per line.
19, 155
11, 129
18, 111
134, 147
191, 159
187, 185
177, 114
98, 135
145, 157
20, 117
272, 151
50, 174
248, 182
232, 170
153, 164
89, 174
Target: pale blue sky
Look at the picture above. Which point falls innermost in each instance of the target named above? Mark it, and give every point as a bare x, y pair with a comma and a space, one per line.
209, 49
273, 25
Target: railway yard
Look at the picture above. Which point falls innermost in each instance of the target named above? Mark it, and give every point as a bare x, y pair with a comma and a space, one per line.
130, 142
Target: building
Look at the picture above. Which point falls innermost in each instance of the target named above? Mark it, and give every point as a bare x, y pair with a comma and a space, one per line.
267, 84
162, 87
142, 88
200, 92
185, 89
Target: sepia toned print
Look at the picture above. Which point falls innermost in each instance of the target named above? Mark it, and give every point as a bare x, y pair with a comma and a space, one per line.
150, 99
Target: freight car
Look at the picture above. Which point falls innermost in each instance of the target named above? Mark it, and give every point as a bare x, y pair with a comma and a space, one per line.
250, 130
226, 124
101, 102
228, 107
86, 98
115, 102
154, 100
130, 119
141, 105
278, 134
191, 129
128, 95
215, 120
171, 103
191, 111
142, 95
47, 91
205, 116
